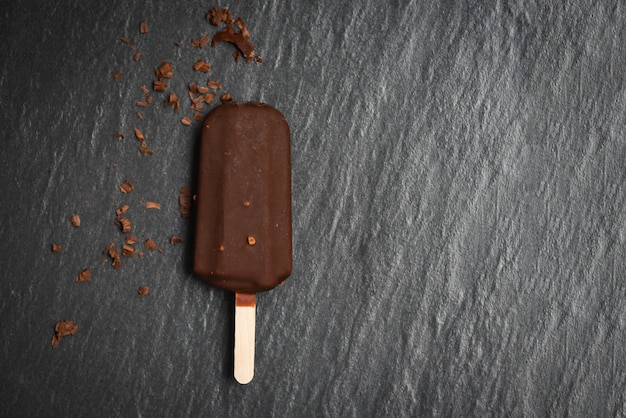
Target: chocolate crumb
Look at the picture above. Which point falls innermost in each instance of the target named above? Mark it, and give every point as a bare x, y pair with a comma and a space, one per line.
121, 210
123, 224
56, 248
225, 98
75, 221
175, 240
150, 244
84, 276
117, 75
202, 66
63, 329
126, 187
128, 250
143, 27
143, 290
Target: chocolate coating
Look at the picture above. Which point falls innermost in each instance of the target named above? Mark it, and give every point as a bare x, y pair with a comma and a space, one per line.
243, 218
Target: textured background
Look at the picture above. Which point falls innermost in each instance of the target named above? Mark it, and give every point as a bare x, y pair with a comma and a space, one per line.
458, 195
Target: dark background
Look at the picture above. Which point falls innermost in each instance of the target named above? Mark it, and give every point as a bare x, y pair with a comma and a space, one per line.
458, 196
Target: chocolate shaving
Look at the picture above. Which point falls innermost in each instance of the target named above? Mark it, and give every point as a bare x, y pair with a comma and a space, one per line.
84, 276
127, 186
131, 239
75, 221
215, 85
125, 40
139, 135
117, 75
173, 101
146, 151
209, 97
119, 135
225, 98
121, 210
238, 39
152, 205
143, 290
141, 104
63, 329
175, 240
143, 27
145, 90
136, 56
139, 115
198, 116
123, 224
128, 250
159, 85
185, 121
56, 248
218, 15
202, 66
117, 263
150, 244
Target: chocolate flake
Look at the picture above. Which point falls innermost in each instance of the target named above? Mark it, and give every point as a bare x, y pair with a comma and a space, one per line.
63, 329
225, 98
139, 135
136, 56
119, 135
56, 248
128, 250
125, 40
218, 15
131, 239
127, 186
141, 103
123, 224
84, 276
185, 121
139, 115
198, 116
202, 66
175, 240
159, 85
152, 205
173, 101
150, 244
143, 290
215, 85
121, 210
117, 75
75, 221
143, 27
145, 90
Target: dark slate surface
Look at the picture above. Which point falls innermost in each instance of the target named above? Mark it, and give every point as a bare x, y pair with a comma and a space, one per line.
459, 228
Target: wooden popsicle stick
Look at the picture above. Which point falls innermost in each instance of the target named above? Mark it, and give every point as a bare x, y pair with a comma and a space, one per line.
245, 320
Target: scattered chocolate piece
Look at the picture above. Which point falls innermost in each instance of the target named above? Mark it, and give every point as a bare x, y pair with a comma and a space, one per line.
121, 210
258, 59
123, 224
128, 250
209, 97
165, 70
141, 103
126, 187
84, 276
145, 90
143, 290
139, 135
125, 40
152, 205
136, 56
238, 39
63, 329
202, 89
150, 244
198, 116
173, 101
214, 85
131, 239
149, 99
175, 240
75, 221
146, 151
143, 27
117, 263
159, 85
184, 202
218, 15
56, 248
139, 115
202, 66
186, 121
117, 75
225, 98
119, 135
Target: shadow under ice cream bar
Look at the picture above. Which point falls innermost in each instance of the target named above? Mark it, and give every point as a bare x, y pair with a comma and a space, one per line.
243, 219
